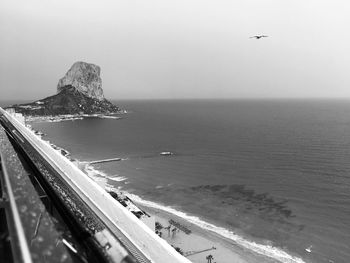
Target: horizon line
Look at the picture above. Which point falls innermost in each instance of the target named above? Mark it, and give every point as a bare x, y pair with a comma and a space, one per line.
206, 98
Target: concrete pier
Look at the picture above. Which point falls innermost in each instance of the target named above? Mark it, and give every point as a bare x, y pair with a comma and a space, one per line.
106, 160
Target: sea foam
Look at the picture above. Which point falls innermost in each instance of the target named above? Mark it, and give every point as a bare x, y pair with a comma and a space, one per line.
266, 250
117, 178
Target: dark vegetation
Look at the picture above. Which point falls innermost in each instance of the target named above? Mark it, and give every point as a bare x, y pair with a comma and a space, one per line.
158, 226
178, 249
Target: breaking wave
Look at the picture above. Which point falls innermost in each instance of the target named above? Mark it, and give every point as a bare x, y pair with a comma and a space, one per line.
266, 250
117, 178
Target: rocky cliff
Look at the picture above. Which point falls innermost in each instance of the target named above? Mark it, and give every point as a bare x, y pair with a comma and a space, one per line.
79, 92
85, 78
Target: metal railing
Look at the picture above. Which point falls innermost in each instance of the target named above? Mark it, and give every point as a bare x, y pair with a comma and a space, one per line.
19, 245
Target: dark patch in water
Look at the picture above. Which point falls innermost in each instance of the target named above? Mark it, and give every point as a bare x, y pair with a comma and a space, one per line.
262, 202
257, 214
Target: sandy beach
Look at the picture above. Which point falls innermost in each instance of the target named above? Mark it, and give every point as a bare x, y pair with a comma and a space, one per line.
197, 244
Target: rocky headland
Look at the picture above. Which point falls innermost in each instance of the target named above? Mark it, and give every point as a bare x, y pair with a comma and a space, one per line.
79, 92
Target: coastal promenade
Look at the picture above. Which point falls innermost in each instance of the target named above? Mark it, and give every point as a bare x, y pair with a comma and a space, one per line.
111, 227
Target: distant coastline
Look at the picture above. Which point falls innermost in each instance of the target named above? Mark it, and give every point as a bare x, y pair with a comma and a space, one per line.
73, 117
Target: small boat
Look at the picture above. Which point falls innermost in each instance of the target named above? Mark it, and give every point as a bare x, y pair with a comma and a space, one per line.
166, 153
308, 249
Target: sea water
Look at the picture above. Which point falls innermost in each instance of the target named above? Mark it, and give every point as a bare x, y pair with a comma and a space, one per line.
272, 175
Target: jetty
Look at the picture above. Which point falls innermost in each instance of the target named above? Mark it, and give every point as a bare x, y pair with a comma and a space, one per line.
191, 253
106, 160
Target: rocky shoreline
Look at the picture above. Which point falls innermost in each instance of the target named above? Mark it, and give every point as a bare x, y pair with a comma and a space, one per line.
72, 117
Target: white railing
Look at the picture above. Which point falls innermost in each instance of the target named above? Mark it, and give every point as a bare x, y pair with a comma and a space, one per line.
113, 214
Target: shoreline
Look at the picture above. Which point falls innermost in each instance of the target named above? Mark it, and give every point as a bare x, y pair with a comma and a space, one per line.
72, 117
256, 252
201, 240
228, 246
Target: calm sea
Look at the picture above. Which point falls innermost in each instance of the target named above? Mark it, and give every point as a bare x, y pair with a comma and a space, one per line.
276, 172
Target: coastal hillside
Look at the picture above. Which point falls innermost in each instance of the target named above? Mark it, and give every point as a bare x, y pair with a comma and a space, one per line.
78, 92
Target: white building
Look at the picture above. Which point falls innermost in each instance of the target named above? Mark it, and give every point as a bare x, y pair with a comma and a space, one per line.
19, 116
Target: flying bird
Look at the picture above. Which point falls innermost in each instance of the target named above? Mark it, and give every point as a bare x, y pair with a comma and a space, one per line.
258, 37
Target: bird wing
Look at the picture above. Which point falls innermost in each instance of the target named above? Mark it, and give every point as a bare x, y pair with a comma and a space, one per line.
258, 37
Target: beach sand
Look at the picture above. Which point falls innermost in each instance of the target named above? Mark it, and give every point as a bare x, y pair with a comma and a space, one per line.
226, 251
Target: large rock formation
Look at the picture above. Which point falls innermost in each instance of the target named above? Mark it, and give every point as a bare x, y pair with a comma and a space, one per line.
85, 78
79, 92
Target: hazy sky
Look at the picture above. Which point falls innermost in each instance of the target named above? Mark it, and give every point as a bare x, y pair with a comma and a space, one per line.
178, 48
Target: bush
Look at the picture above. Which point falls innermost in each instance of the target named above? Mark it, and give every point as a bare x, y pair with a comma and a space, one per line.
159, 226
